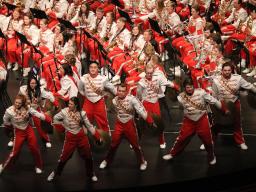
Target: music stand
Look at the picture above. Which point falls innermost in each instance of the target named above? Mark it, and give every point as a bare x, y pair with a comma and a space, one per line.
155, 26
9, 6
125, 15
39, 14
23, 41
67, 24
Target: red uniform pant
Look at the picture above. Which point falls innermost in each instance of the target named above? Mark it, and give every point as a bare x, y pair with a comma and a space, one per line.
42, 134
72, 142
97, 111
20, 136
238, 132
188, 129
129, 131
154, 109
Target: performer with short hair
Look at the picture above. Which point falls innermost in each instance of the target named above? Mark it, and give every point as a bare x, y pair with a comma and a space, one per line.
126, 105
195, 120
226, 87
92, 86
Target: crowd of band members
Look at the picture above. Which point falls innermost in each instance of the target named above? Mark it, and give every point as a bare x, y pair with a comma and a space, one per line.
134, 50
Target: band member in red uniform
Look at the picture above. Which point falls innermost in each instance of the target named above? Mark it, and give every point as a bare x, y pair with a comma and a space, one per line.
226, 87
126, 105
17, 117
76, 123
34, 95
148, 91
195, 120
92, 86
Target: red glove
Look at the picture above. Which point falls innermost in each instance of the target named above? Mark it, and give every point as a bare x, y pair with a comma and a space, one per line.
149, 119
48, 118
176, 87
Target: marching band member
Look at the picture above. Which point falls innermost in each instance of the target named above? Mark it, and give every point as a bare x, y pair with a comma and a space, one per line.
34, 95
32, 34
58, 10
237, 17
68, 83
17, 116
73, 9
126, 105
9, 25
195, 120
226, 87
76, 125
46, 37
92, 86
148, 90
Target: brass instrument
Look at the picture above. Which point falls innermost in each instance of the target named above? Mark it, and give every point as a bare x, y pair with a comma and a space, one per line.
223, 8
111, 44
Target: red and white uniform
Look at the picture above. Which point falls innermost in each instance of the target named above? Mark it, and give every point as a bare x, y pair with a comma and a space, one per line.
23, 131
125, 125
68, 87
46, 39
35, 104
195, 121
236, 17
149, 90
94, 105
228, 90
146, 6
75, 137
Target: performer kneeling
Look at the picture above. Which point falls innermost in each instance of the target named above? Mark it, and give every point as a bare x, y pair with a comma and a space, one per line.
126, 105
74, 119
17, 117
195, 120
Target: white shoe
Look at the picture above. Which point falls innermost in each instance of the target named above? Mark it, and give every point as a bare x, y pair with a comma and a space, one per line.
94, 178
202, 147
163, 146
143, 166
213, 162
167, 157
247, 70
131, 146
48, 145
1, 168
10, 144
254, 83
51, 176
103, 164
16, 67
38, 171
243, 146
26, 71
9, 66
252, 73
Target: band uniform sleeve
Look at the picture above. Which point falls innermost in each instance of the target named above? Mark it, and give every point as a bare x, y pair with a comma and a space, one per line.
37, 114
58, 118
211, 100
87, 123
139, 108
246, 85
47, 95
7, 118
65, 86
109, 86
81, 86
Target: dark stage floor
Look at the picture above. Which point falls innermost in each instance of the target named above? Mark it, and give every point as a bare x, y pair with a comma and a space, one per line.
188, 171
